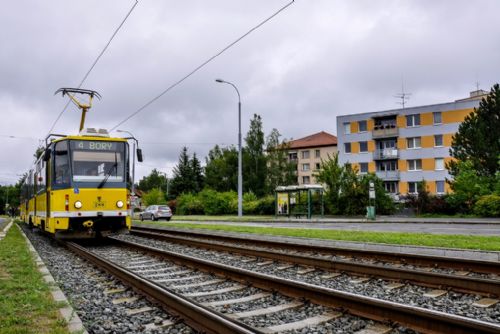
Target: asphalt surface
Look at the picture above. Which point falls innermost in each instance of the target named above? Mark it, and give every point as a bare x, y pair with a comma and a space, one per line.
490, 228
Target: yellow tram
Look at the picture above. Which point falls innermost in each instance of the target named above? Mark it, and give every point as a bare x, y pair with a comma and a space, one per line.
79, 186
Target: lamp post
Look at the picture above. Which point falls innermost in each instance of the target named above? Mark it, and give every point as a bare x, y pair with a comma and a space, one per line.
132, 190
240, 176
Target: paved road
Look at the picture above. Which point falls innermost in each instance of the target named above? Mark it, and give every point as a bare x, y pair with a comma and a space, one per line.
490, 229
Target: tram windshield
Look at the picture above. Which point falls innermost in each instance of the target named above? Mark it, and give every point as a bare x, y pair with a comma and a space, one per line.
98, 161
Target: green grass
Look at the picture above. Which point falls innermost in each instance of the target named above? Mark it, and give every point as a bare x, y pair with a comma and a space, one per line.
395, 238
25, 300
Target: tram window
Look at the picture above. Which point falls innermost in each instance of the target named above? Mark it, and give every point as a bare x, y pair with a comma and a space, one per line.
93, 166
61, 164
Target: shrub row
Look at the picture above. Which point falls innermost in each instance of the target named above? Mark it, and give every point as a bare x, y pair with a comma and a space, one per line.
211, 202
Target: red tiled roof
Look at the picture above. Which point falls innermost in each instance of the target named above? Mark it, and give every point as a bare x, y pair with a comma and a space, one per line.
315, 140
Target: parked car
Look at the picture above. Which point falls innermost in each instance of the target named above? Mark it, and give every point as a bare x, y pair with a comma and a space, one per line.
155, 212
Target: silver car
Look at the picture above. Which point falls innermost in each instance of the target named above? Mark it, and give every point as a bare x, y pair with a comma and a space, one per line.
155, 212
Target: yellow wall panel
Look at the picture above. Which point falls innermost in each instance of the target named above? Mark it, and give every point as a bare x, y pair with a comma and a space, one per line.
427, 141
447, 138
447, 188
371, 167
371, 146
370, 124
455, 116
402, 165
354, 147
354, 127
403, 187
401, 121
428, 164
431, 186
401, 143
426, 118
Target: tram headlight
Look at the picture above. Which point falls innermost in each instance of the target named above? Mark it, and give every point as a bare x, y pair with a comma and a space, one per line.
119, 204
78, 204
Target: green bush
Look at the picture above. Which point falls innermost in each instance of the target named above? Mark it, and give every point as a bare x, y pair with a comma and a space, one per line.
488, 206
215, 203
154, 197
189, 204
266, 205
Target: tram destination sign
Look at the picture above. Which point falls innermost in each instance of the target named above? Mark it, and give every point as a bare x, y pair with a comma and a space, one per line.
95, 145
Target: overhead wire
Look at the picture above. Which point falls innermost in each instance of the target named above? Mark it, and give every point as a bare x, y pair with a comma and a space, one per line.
147, 104
94, 63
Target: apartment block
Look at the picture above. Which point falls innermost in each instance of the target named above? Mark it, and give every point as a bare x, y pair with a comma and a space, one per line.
404, 146
307, 153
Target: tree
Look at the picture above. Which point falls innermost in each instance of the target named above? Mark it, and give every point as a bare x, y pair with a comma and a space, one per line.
154, 196
254, 164
477, 139
221, 170
154, 180
347, 192
331, 176
280, 170
182, 181
468, 186
197, 174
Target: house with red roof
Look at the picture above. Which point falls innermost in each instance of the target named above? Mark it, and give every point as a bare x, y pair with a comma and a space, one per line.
307, 153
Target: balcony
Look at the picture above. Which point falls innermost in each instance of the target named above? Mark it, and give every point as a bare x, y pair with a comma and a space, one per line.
386, 153
385, 131
388, 175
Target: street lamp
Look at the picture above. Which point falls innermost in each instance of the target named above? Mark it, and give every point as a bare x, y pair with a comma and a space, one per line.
240, 177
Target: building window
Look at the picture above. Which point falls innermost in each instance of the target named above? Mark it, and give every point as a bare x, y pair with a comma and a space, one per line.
413, 120
305, 154
437, 117
317, 153
363, 167
415, 164
347, 128
384, 166
318, 166
413, 142
347, 147
438, 140
412, 187
362, 126
439, 163
363, 146
305, 167
440, 187
306, 179
391, 187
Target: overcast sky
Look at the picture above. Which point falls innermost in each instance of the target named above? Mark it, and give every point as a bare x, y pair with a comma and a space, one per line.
314, 61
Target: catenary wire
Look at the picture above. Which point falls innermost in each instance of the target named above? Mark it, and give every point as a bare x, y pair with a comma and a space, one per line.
94, 63
200, 66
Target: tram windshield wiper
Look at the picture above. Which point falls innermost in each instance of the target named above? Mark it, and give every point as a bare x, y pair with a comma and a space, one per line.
108, 173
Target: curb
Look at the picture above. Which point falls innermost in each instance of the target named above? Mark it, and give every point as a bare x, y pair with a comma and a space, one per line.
75, 324
3, 233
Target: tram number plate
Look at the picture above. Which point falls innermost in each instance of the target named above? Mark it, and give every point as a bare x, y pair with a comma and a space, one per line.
99, 204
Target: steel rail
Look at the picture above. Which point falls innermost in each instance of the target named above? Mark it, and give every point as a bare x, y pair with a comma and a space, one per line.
406, 258
487, 287
194, 314
417, 318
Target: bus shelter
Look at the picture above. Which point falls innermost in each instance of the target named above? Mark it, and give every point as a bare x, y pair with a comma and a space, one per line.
297, 201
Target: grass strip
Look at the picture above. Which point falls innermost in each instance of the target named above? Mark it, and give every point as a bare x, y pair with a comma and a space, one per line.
25, 300
487, 243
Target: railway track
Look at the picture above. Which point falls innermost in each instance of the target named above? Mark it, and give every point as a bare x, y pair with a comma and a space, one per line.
227, 289
321, 257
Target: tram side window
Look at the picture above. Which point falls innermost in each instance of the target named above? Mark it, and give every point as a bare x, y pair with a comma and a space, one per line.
61, 164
